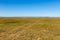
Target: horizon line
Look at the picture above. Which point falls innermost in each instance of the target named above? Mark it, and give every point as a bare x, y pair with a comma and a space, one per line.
29, 16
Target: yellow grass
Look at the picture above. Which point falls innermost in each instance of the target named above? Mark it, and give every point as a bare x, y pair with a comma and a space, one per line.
21, 28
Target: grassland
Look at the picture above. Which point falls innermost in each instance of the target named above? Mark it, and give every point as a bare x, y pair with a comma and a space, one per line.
21, 28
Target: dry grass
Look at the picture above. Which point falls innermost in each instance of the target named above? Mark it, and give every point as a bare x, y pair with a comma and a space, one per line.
29, 28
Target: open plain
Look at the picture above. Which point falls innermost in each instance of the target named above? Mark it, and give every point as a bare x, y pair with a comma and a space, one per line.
29, 28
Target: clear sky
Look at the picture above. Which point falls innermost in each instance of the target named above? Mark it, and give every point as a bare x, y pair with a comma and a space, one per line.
30, 8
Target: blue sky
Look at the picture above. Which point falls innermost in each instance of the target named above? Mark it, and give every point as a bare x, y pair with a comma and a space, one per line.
37, 8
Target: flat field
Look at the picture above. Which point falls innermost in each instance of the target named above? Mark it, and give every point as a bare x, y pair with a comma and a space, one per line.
26, 28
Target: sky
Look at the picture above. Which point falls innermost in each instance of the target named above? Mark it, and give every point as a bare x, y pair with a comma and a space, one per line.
30, 8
